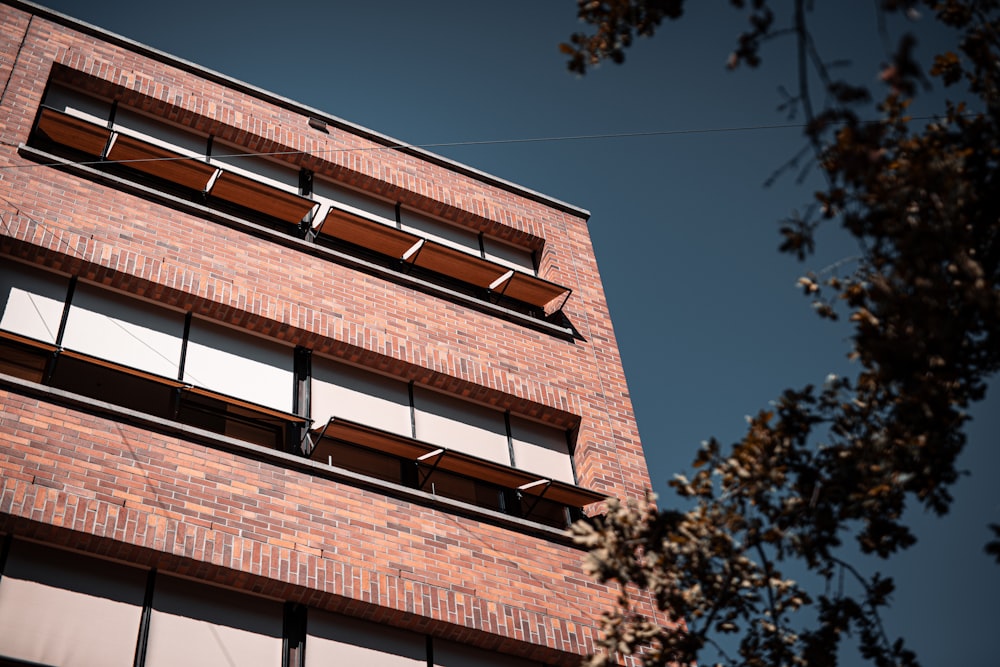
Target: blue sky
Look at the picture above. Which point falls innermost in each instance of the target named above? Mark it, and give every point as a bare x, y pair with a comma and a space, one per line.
710, 324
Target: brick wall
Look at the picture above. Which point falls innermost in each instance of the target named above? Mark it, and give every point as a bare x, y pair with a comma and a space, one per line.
98, 484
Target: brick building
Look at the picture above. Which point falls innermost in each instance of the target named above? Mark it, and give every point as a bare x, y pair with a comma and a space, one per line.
278, 391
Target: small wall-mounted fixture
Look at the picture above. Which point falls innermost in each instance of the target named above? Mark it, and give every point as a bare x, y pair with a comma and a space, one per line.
317, 124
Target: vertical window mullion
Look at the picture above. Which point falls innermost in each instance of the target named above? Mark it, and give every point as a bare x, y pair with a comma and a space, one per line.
184, 346
8, 540
413, 411
571, 450
142, 638
50, 364
65, 313
301, 400
293, 632
510, 438
306, 190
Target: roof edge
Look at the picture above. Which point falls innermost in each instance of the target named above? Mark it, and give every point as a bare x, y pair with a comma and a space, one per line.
292, 105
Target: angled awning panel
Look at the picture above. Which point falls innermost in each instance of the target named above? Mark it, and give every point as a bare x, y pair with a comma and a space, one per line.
262, 410
537, 292
369, 234
130, 370
449, 460
62, 128
268, 199
170, 165
28, 341
454, 263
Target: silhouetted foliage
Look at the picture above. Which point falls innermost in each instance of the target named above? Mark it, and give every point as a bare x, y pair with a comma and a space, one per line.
840, 461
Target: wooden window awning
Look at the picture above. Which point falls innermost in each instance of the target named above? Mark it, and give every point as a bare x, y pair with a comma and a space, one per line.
268, 199
97, 361
337, 223
30, 342
261, 410
68, 130
368, 234
424, 453
169, 165
433, 256
173, 166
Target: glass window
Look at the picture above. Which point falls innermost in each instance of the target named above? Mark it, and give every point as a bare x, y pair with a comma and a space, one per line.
258, 168
449, 235
339, 390
461, 425
66, 609
240, 365
196, 625
160, 133
451, 654
78, 104
124, 330
327, 192
541, 449
339, 640
509, 255
31, 301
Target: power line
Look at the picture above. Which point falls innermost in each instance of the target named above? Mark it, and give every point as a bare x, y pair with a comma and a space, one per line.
452, 144
449, 144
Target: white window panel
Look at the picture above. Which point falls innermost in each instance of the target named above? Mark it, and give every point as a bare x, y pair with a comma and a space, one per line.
509, 255
197, 625
61, 608
541, 449
31, 301
124, 330
457, 424
339, 390
260, 169
162, 134
435, 230
239, 365
78, 104
339, 640
326, 192
450, 654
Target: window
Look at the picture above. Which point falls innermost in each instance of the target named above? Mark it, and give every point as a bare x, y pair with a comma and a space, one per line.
196, 625
236, 364
330, 194
72, 611
541, 449
339, 390
441, 444
32, 302
333, 639
88, 340
275, 194
68, 609
429, 228
124, 330
451, 654
460, 425
119, 349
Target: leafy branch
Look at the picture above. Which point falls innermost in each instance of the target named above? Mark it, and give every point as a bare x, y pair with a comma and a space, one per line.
841, 462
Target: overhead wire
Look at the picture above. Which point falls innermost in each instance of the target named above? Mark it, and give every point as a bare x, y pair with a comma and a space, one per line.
448, 144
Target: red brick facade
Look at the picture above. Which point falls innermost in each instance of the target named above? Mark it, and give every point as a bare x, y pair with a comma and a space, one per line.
96, 480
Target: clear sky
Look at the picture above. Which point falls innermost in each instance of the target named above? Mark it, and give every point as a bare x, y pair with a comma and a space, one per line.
710, 324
